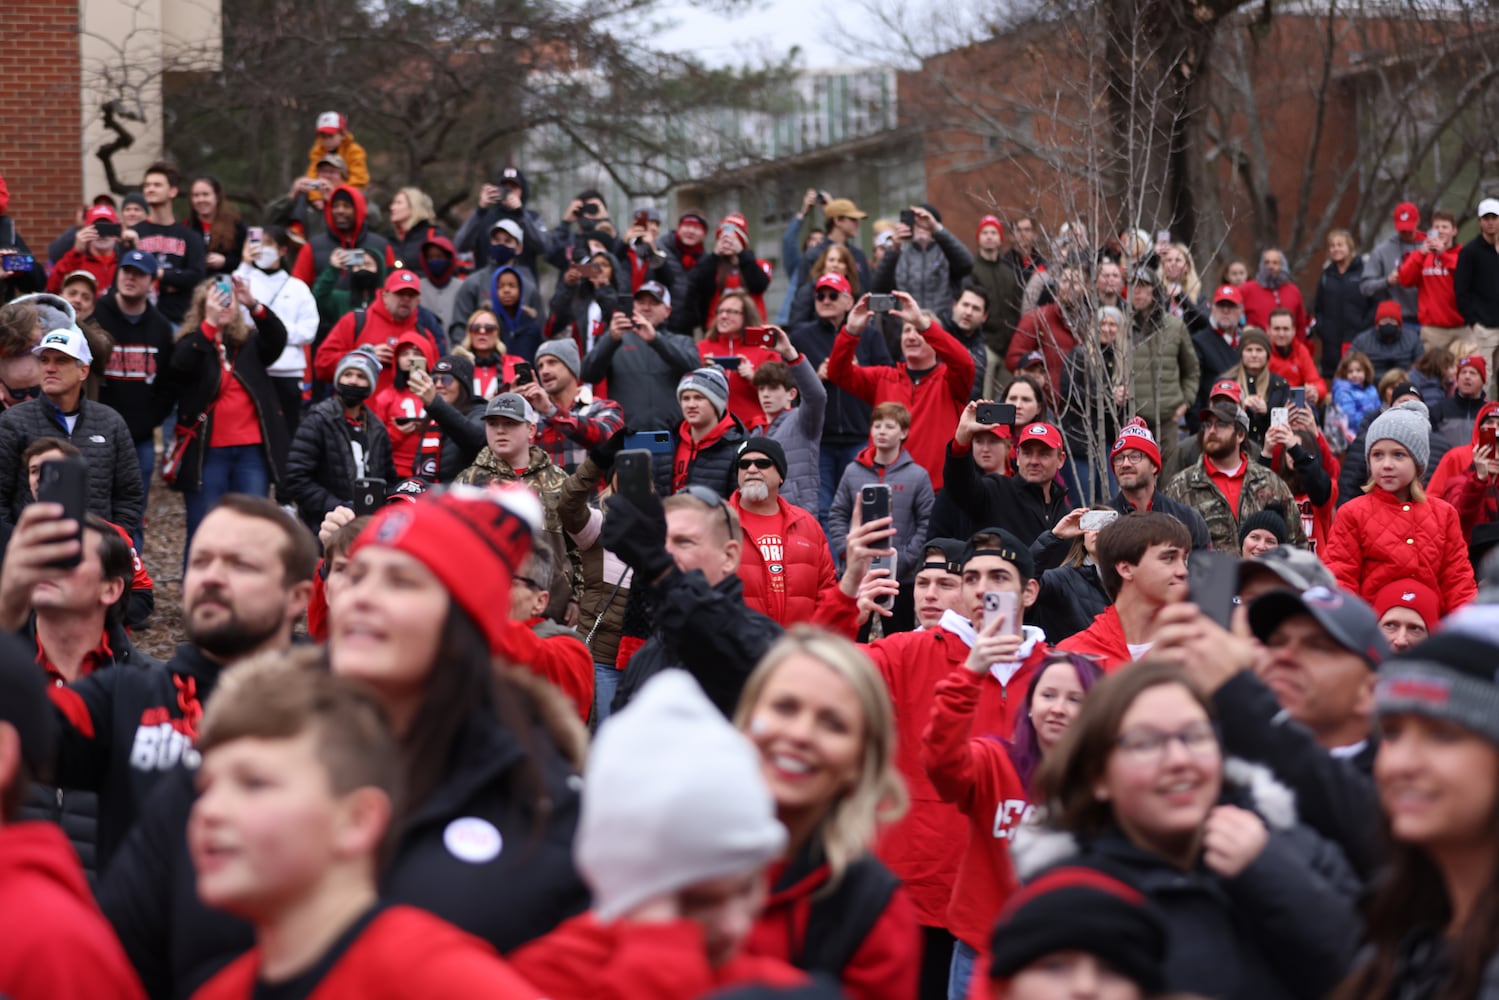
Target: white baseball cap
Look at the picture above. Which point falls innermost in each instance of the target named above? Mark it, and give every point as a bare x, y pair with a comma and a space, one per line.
1489, 206
66, 340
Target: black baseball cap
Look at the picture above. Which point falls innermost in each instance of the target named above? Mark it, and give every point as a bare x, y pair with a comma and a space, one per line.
1351, 623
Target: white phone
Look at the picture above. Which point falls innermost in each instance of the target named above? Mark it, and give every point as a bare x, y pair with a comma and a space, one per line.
1280, 415
1002, 604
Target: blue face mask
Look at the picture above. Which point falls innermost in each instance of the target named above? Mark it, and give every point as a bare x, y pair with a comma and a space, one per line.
438, 266
500, 255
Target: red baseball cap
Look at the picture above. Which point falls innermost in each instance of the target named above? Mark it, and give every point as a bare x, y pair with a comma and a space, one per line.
100, 213
1044, 433
1227, 387
837, 282
1228, 293
1407, 217
403, 281
1411, 594
330, 122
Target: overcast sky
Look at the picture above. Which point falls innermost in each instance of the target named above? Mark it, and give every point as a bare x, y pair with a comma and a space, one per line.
774, 27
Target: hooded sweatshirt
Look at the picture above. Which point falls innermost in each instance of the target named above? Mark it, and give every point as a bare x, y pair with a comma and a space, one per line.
318, 251
519, 328
1431, 274
57, 943
379, 327
398, 402
439, 290
1476, 500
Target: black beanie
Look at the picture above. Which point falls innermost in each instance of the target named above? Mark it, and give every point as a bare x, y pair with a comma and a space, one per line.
770, 448
1265, 520
1079, 908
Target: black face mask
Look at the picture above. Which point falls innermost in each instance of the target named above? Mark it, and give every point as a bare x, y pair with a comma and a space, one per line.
1388, 331
352, 395
364, 281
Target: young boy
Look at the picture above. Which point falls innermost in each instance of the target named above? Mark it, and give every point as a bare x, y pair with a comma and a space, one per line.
294, 806
911, 500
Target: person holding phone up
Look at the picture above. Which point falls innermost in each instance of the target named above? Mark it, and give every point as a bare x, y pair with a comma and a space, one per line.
230, 432
94, 250
736, 342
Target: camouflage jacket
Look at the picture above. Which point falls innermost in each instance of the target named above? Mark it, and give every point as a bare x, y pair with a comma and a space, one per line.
1262, 487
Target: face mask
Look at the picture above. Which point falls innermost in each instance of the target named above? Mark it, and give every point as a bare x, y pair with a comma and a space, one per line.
268, 258
352, 395
364, 281
500, 255
438, 266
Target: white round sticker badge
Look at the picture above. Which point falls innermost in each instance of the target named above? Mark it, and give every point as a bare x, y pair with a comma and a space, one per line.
473, 840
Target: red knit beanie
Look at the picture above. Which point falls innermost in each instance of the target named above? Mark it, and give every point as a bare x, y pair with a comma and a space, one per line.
1136, 436
991, 220
473, 539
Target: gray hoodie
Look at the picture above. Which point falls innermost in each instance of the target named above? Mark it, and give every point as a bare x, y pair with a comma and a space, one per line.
799, 430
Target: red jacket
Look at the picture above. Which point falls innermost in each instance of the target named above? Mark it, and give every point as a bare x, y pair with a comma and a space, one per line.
585, 959
1260, 302
1103, 639
404, 952
886, 966
935, 403
379, 328
744, 398
1476, 500
560, 658
57, 945
975, 773
1298, 368
1043, 329
390, 404
1460, 458
1431, 275
806, 587
1378, 539
102, 268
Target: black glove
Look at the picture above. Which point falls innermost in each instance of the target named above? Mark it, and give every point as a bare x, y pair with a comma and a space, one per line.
637, 536
603, 454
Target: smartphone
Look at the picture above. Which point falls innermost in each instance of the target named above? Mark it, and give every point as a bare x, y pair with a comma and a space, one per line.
874, 503
108, 230
1298, 396
419, 363
1002, 604
655, 442
908, 218
590, 271
1162, 239
1097, 520
1488, 437
1279, 416
17, 262
728, 362
65, 481
633, 475
255, 234
822, 197
524, 374
642, 219
369, 496
1213, 584
883, 303
760, 336
353, 258
224, 287
996, 414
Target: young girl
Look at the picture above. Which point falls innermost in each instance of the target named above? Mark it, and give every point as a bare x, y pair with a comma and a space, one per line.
1434, 920
1353, 389
1395, 530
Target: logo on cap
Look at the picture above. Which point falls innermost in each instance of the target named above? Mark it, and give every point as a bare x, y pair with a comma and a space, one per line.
392, 527
1409, 595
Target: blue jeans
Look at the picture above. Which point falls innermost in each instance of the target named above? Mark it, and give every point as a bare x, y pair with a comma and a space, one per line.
963, 958
605, 683
240, 468
145, 455
831, 462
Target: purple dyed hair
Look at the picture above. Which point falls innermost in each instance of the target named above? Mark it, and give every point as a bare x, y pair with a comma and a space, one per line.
1024, 748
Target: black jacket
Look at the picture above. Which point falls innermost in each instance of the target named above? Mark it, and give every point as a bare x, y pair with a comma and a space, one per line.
460, 431
847, 419
1214, 357
200, 377
176, 943
123, 730
320, 468
1476, 282
706, 631
136, 381
1163, 504
702, 282
101, 434
713, 467
1071, 597
1341, 310
180, 251
1007, 502
77, 811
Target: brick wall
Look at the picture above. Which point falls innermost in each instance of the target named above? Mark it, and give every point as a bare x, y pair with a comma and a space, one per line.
41, 129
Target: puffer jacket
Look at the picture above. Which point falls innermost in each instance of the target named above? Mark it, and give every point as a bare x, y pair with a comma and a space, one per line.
1164, 370
709, 462
799, 430
453, 438
1355, 471
606, 580
1285, 928
197, 370
931, 275
811, 585
911, 503
101, 434
320, 468
1378, 538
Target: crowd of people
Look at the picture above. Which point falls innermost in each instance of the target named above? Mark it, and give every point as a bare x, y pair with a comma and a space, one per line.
1021, 618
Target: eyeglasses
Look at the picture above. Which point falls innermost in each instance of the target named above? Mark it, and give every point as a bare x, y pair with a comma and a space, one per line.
827, 296
527, 582
1213, 422
30, 392
1148, 746
756, 463
712, 499
1129, 457
443, 381
483, 328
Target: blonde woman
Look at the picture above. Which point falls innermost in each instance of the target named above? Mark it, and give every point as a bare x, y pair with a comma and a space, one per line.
412, 223
494, 368
1180, 280
820, 716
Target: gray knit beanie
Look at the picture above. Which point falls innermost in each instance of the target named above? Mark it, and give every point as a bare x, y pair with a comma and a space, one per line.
1449, 676
362, 359
711, 382
564, 350
1408, 425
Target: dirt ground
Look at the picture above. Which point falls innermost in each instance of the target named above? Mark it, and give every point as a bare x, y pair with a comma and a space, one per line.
166, 528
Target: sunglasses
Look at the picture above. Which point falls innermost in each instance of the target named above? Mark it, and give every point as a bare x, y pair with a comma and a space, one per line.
443, 381
528, 583
712, 499
756, 463
484, 328
827, 296
30, 392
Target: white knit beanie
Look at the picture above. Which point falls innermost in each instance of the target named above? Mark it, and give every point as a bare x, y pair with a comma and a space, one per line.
672, 796
1408, 424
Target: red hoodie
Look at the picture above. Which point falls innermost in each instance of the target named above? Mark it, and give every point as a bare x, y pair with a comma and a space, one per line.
1476, 500
586, 959
402, 953
688, 449
391, 404
57, 945
1431, 274
1297, 367
305, 267
102, 268
1459, 458
380, 327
